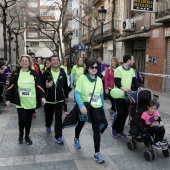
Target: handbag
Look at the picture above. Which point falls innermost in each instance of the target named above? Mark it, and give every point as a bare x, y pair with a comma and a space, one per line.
84, 117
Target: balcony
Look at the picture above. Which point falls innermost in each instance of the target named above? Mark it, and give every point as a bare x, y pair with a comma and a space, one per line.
163, 16
107, 30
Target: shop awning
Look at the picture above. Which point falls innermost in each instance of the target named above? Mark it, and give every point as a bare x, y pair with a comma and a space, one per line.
133, 37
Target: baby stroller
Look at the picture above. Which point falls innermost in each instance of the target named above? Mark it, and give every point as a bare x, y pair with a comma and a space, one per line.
137, 132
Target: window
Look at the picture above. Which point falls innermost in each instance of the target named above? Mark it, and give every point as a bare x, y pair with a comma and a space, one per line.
77, 33
31, 14
69, 3
47, 2
45, 33
46, 12
32, 4
77, 12
33, 35
69, 23
34, 44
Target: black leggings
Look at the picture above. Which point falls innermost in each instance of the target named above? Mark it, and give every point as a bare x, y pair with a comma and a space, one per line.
24, 120
112, 101
157, 133
95, 127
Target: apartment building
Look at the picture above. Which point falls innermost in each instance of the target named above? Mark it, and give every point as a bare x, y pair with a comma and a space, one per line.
37, 37
111, 28
146, 36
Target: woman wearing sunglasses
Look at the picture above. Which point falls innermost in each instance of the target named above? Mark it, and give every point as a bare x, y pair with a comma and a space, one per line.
89, 90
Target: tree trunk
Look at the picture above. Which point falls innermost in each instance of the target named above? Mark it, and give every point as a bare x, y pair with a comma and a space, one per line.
4, 34
9, 45
61, 50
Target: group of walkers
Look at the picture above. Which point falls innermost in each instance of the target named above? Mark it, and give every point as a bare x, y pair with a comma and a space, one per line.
30, 87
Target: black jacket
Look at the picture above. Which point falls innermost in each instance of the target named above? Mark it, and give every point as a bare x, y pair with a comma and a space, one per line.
58, 91
72, 118
12, 94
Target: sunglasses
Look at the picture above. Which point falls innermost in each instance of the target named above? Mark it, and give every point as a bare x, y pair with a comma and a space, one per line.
94, 67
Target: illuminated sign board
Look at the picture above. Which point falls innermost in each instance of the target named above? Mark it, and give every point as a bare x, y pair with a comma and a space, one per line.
142, 5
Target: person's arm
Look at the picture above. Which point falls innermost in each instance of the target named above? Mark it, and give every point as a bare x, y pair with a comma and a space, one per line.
135, 83
78, 99
65, 88
106, 81
117, 82
72, 78
102, 100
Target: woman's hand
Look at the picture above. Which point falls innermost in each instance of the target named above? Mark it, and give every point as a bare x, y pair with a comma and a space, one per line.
153, 124
125, 89
7, 103
43, 101
83, 111
66, 100
71, 86
49, 84
107, 91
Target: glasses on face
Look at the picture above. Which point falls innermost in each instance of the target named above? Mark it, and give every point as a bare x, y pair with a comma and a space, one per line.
94, 67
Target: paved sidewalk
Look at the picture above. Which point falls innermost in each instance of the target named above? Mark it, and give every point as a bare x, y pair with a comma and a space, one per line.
45, 154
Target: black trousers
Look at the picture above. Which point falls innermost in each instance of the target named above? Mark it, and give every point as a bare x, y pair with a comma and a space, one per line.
95, 126
157, 133
112, 101
24, 120
50, 109
122, 113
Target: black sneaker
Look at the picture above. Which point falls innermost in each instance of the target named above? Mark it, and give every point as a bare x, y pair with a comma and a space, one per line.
20, 139
28, 141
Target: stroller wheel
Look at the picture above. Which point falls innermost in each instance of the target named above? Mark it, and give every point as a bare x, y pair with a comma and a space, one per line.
149, 155
166, 152
153, 155
131, 145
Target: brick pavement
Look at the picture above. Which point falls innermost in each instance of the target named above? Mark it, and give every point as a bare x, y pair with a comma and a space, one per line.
45, 154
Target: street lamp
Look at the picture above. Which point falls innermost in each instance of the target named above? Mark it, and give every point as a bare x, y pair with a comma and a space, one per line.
102, 16
70, 35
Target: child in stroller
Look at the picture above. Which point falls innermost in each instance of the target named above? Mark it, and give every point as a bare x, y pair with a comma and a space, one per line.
143, 132
151, 120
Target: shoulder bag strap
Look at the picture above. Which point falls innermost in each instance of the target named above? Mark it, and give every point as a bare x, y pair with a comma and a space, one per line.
93, 91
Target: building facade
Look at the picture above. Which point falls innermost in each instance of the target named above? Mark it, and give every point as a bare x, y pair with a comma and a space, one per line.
145, 35
37, 37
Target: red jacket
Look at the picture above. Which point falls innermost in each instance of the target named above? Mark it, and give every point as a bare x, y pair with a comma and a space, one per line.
109, 78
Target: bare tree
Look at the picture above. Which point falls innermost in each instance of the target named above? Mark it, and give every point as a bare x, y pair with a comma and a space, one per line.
50, 26
16, 24
4, 6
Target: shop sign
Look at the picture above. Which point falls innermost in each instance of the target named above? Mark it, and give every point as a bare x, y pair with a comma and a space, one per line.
82, 47
167, 32
143, 5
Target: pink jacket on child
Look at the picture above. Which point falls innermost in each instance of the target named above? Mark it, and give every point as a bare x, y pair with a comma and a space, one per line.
109, 78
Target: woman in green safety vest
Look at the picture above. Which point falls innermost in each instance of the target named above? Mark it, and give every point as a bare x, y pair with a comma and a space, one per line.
77, 71
89, 91
26, 91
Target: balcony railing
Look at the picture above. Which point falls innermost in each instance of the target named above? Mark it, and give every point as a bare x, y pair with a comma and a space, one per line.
162, 14
107, 29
